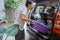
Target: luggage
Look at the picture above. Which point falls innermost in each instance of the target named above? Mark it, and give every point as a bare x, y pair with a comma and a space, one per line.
40, 27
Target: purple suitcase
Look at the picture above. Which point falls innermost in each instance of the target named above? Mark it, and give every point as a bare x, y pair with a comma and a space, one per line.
40, 27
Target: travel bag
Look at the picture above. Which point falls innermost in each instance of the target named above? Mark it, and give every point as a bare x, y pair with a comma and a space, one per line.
40, 27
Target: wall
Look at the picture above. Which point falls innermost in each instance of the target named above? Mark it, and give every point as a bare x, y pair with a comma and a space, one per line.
2, 13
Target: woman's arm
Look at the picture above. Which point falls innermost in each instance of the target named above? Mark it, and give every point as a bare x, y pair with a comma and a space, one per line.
23, 17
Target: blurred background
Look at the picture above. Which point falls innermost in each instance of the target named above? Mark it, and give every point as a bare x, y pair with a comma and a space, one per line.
8, 9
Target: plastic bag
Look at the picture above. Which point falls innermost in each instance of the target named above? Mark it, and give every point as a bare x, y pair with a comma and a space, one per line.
13, 30
5, 37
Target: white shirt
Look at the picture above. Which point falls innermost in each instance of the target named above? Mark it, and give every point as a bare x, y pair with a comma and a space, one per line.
19, 21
